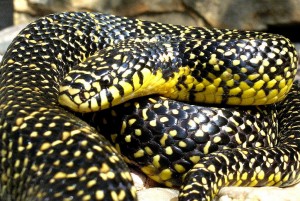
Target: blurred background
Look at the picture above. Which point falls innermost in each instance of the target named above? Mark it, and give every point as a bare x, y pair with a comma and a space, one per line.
277, 16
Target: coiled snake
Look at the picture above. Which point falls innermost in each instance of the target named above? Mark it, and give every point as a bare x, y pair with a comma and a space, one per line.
90, 61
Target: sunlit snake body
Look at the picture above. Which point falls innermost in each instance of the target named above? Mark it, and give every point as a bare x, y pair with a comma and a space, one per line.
49, 154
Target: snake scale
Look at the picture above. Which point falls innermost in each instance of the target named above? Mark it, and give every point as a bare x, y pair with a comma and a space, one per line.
91, 61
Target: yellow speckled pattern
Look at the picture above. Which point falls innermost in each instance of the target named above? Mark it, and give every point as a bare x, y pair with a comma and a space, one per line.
46, 152
209, 66
91, 61
204, 148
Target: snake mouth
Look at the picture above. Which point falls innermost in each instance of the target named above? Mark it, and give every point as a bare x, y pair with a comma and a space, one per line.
84, 97
102, 94
83, 91
66, 101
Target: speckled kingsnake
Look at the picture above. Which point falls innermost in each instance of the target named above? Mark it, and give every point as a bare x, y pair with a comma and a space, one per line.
49, 154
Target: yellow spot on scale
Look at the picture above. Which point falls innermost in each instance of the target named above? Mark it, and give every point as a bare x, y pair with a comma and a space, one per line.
230, 83
89, 155
45, 146
148, 150
117, 57
136, 81
152, 123
79, 33
95, 169
173, 133
19, 121
91, 183
248, 93
60, 175
261, 175
236, 62
166, 174
244, 176
206, 147
244, 85
182, 144
192, 123
217, 139
137, 132
139, 153
164, 119
179, 168
235, 91
163, 139
213, 60
271, 83
286, 178
77, 153
258, 85
155, 161
273, 93
228, 53
169, 150
277, 177
211, 168
131, 121
243, 57
271, 55
149, 170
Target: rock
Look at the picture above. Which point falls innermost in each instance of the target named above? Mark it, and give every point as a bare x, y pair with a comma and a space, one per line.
6, 13
228, 194
22, 6
158, 194
141, 181
148, 190
7, 35
127, 8
133, 8
259, 194
241, 14
173, 18
169, 11
244, 14
47, 6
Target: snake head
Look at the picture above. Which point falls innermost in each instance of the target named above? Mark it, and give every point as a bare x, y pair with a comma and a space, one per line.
91, 85
80, 89
110, 77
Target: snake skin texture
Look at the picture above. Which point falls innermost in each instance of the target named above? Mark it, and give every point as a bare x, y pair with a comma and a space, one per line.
90, 61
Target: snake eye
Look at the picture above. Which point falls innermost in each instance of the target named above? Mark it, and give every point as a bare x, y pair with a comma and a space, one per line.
106, 81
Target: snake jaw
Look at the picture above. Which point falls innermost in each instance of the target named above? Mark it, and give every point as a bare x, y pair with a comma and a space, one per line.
85, 93
103, 96
66, 101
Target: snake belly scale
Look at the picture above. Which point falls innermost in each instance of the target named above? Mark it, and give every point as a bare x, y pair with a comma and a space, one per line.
47, 153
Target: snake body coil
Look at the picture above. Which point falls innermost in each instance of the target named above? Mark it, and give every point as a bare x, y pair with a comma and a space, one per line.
89, 61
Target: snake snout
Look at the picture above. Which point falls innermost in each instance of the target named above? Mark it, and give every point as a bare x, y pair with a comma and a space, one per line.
77, 90
82, 92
